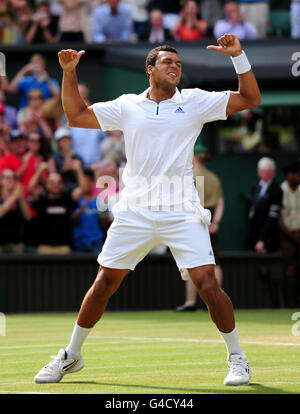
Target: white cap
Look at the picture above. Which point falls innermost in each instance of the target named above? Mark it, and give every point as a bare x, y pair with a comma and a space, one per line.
61, 132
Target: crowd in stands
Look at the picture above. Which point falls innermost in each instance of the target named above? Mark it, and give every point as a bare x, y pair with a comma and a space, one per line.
49, 171
97, 21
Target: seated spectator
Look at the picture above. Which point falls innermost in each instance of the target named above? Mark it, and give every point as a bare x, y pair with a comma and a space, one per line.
88, 230
73, 21
156, 33
54, 207
190, 27
14, 210
211, 11
63, 159
34, 76
295, 19
265, 204
19, 160
9, 113
114, 143
139, 16
112, 21
233, 23
256, 12
170, 9
87, 142
290, 219
4, 138
41, 28
30, 117
9, 32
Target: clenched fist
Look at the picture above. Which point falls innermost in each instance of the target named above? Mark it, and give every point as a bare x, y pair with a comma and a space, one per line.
69, 58
229, 44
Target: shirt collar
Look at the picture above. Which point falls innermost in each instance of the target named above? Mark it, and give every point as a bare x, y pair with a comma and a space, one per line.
175, 98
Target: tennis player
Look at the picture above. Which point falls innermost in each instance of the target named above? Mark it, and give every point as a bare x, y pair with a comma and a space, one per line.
160, 128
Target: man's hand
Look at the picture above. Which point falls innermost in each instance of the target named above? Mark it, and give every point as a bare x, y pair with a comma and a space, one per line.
260, 247
229, 44
69, 58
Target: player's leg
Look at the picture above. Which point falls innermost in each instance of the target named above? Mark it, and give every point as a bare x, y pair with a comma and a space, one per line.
222, 314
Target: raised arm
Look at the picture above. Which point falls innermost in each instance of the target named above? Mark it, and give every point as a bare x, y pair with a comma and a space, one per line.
248, 94
77, 112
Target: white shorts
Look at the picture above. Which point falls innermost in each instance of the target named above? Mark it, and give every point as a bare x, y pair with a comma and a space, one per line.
134, 233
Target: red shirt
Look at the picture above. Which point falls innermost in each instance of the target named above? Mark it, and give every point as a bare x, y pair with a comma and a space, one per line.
12, 162
189, 34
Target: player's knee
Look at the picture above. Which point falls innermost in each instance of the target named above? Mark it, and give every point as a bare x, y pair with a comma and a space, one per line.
209, 290
104, 285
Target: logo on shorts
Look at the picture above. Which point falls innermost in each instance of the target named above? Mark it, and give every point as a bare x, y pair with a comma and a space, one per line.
210, 253
179, 111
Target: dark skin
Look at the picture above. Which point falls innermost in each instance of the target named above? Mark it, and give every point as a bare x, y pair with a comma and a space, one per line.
164, 77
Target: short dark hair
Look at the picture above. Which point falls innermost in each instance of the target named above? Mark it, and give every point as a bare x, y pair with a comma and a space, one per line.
88, 172
153, 55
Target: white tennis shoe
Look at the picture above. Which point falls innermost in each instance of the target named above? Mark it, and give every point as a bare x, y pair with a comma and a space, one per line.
239, 370
58, 367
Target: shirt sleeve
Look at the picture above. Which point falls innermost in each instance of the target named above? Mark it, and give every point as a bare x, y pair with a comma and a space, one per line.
109, 114
212, 105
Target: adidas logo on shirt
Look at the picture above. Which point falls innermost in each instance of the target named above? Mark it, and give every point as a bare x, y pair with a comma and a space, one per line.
179, 111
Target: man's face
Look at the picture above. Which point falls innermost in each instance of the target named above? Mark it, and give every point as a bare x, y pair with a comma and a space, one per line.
19, 146
54, 184
266, 174
65, 144
167, 70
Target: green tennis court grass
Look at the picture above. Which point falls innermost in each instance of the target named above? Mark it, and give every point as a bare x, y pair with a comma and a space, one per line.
152, 353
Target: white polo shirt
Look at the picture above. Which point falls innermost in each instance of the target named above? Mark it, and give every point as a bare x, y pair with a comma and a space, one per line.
159, 142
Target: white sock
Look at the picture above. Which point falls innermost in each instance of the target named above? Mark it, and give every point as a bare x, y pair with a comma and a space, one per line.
78, 337
231, 340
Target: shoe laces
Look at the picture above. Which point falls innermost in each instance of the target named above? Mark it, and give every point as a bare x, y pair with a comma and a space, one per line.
237, 366
54, 364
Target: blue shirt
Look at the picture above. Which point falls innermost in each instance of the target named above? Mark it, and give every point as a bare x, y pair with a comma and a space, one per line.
86, 143
30, 82
107, 26
87, 229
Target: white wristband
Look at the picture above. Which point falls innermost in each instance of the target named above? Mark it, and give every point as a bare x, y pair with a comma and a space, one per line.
241, 63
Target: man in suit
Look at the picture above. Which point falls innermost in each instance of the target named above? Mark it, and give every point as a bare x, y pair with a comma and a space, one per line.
266, 196
156, 33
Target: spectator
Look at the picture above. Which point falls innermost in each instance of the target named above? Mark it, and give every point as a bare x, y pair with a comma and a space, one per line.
41, 28
190, 27
38, 146
19, 160
87, 142
211, 11
114, 144
170, 9
13, 211
9, 113
31, 119
23, 15
257, 12
112, 21
9, 32
295, 19
211, 196
34, 76
88, 232
157, 33
139, 16
54, 207
266, 197
73, 21
4, 136
233, 23
290, 220
63, 159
